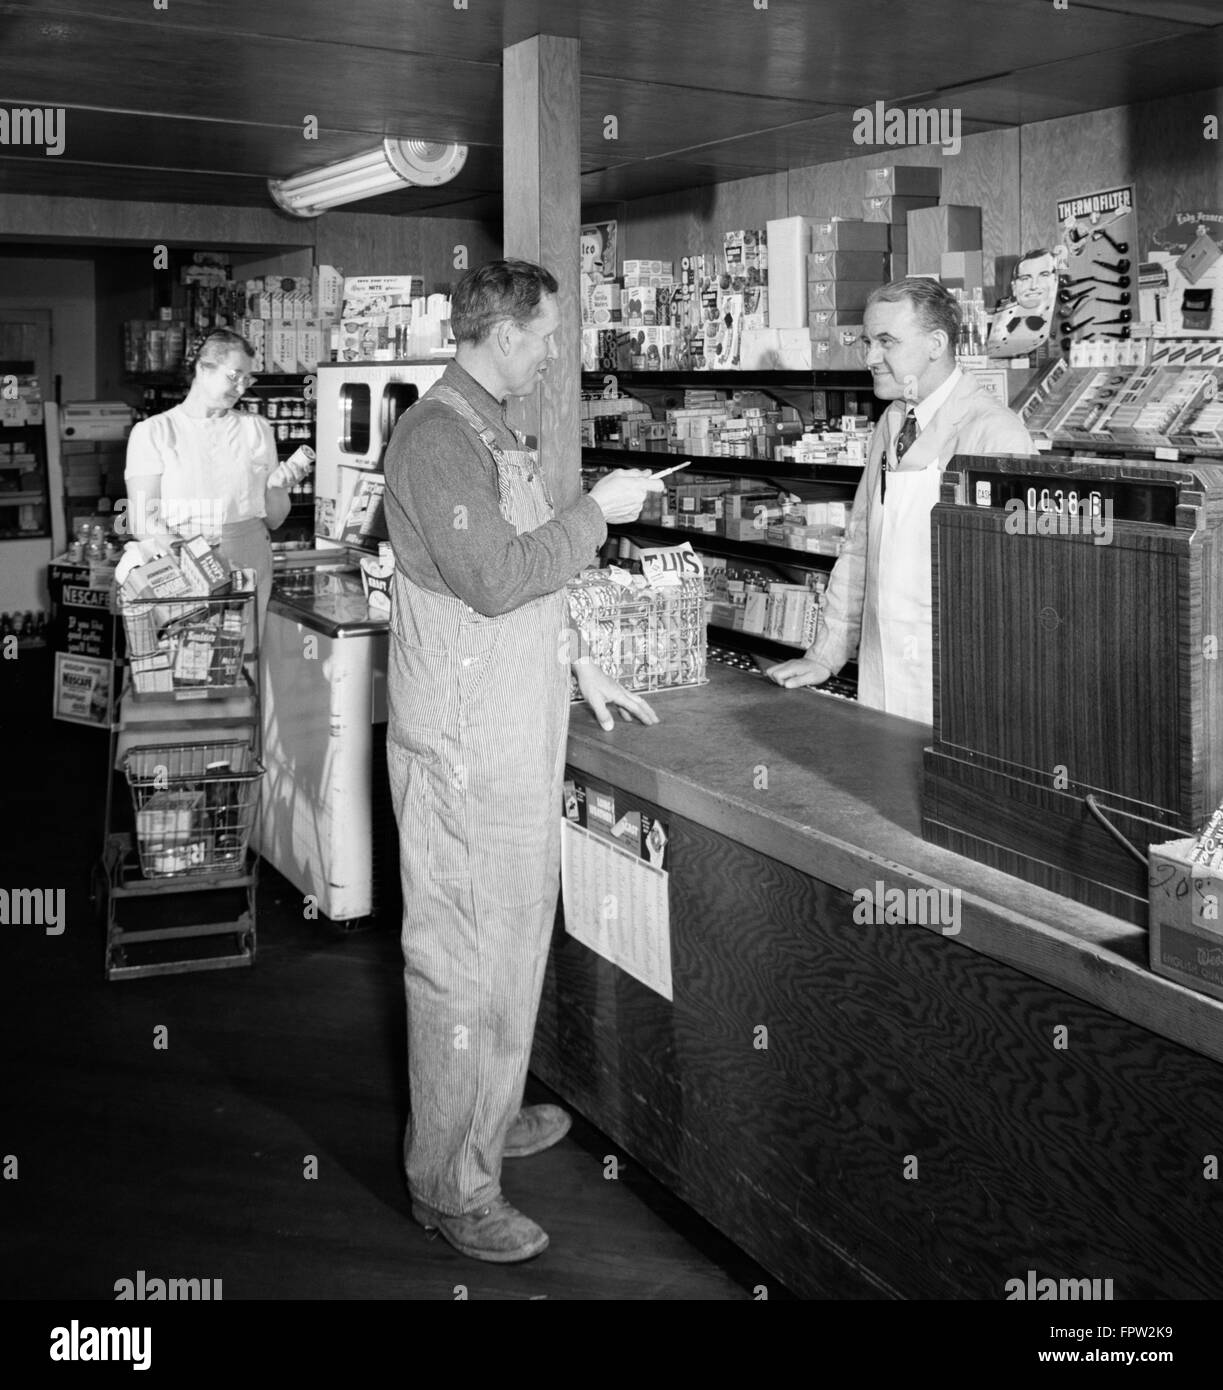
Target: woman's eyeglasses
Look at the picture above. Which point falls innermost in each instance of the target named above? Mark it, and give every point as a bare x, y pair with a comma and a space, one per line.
234, 378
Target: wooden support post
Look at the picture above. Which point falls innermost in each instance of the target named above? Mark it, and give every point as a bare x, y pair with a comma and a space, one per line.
541, 110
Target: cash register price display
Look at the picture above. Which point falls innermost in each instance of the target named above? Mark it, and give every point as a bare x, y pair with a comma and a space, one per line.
1078, 703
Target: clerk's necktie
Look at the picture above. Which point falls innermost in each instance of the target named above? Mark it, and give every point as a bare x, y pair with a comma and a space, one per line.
908, 433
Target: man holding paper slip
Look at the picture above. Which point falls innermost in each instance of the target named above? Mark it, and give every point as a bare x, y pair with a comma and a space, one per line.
478, 694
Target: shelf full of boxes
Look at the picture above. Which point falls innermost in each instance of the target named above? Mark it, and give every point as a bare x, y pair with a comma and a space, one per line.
24, 497
755, 356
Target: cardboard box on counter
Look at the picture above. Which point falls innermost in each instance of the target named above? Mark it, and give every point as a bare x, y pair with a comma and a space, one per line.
907, 180
848, 265
1185, 919
848, 234
932, 231
839, 294
893, 209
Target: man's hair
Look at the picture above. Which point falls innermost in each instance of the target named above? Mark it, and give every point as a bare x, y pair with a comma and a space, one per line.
933, 306
499, 290
1038, 254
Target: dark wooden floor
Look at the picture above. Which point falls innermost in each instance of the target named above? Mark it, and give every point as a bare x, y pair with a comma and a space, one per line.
188, 1162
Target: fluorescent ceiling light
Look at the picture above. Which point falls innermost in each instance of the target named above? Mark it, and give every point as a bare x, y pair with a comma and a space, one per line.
394, 164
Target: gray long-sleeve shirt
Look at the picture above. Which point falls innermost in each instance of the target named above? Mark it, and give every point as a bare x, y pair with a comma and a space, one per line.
444, 518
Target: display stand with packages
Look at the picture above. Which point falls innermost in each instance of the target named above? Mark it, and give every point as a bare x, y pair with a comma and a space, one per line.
649, 636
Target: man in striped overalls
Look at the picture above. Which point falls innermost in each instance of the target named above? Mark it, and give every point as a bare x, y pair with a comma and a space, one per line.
478, 688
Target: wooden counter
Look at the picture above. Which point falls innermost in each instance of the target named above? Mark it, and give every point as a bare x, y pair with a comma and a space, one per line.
933, 1113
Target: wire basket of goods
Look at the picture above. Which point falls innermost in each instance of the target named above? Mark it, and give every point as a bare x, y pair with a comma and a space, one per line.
186, 646
648, 636
195, 806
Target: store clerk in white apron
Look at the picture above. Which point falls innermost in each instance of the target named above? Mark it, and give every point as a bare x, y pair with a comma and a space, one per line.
878, 603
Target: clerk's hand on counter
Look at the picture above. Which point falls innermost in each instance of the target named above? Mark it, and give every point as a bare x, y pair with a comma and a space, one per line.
801, 671
600, 691
622, 493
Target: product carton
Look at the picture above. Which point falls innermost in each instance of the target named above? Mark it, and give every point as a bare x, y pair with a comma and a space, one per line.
823, 322
933, 230
328, 292
908, 180
840, 294
1185, 918
964, 270
848, 265
893, 209
205, 570
848, 234
280, 349
845, 348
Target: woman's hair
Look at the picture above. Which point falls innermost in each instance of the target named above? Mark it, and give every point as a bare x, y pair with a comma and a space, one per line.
499, 290
224, 339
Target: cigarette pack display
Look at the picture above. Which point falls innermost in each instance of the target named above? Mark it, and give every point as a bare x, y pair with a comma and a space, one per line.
840, 294
908, 180
893, 209
933, 230
848, 234
648, 637
848, 265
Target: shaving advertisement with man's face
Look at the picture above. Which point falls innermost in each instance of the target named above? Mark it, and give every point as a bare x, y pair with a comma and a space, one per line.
1023, 322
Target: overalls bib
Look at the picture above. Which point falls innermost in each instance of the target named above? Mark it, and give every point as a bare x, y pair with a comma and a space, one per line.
478, 719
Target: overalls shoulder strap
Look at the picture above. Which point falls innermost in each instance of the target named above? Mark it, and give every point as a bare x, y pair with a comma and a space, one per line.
508, 463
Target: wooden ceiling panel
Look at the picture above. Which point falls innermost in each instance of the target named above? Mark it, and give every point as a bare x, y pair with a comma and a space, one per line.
272, 82
849, 52
202, 100
1103, 80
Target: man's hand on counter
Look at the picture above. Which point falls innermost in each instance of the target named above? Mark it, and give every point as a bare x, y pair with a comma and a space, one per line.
801, 671
600, 691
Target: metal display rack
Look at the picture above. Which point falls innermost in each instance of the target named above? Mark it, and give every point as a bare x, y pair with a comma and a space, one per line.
184, 777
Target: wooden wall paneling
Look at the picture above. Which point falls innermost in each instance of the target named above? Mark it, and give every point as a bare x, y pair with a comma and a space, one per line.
541, 99
692, 220
1156, 145
884, 1041
101, 221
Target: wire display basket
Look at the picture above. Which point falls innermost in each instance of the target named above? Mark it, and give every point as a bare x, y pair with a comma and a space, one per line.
195, 806
187, 647
647, 638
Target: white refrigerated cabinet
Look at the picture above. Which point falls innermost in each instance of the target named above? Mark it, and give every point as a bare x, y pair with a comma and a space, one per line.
326, 821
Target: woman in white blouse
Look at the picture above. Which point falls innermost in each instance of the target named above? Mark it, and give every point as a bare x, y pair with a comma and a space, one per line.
204, 468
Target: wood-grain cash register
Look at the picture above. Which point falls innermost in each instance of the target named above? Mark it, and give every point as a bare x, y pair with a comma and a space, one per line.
1078, 677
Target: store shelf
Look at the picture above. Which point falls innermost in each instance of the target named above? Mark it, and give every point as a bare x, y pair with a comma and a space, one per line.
724, 545
837, 476
738, 380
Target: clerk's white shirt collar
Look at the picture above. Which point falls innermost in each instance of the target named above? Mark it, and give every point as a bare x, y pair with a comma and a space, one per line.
927, 409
